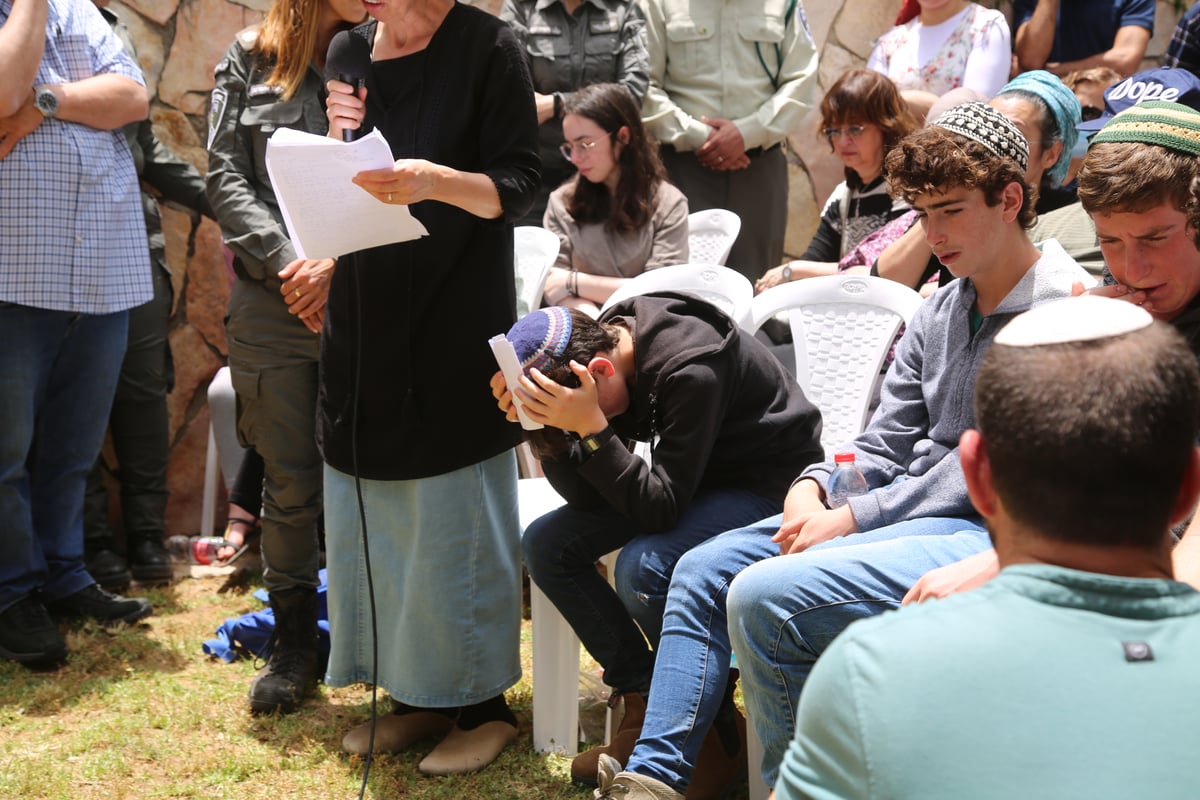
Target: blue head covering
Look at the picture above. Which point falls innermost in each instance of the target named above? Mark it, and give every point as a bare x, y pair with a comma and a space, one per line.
541, 337
1062, 104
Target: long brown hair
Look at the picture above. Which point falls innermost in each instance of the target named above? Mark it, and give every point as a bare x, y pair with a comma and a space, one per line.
288, 37
612, 107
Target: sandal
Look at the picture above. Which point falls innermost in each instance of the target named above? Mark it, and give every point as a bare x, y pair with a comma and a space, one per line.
249, 537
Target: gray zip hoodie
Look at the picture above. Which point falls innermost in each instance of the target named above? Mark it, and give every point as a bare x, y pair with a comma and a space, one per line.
909, 450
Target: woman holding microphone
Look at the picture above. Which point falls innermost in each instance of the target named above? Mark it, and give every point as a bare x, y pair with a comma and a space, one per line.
405, 413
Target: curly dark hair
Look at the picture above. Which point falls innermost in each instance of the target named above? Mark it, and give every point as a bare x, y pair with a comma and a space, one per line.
612, 107
1131, 177
934, 160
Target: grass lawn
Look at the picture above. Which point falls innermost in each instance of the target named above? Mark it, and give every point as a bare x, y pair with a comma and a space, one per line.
141, 713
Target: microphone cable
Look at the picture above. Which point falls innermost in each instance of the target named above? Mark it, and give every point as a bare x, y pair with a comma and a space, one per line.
362, 520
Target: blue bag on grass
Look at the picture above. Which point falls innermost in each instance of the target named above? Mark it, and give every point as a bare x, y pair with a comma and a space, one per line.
250, 634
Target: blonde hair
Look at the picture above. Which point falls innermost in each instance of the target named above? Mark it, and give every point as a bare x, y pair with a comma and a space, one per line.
288, 37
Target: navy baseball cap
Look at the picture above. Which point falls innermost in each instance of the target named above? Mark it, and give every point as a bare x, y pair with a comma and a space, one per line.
1161, 83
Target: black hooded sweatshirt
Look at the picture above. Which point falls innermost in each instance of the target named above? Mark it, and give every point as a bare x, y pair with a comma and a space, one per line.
720, 410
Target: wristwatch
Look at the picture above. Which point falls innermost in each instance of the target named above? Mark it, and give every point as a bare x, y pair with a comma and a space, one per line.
45, 101
787, 272
591, 444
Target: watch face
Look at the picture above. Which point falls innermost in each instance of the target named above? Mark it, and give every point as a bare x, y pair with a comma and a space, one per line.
787, 273
46, 102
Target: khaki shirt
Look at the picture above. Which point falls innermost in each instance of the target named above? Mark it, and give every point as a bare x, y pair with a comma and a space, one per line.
743, 60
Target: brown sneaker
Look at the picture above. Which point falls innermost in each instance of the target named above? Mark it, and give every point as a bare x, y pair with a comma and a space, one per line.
585, 765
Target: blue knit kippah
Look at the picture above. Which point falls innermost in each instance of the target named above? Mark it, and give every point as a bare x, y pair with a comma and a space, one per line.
540, 337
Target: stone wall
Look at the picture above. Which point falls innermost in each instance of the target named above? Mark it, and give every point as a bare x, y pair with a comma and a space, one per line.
180, 41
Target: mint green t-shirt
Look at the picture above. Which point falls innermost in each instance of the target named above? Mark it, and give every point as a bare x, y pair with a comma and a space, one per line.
1044, 683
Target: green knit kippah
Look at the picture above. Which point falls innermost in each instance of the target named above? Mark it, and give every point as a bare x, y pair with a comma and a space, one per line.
1171, 125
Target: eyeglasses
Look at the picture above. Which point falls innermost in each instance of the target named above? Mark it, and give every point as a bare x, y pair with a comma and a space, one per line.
1090, 113
853, 131
581, 148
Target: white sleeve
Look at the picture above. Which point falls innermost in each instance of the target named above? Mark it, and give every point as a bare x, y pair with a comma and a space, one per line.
877, 61
990, 60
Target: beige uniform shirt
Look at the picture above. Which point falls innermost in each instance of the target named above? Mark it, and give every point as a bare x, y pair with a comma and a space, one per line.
743, 60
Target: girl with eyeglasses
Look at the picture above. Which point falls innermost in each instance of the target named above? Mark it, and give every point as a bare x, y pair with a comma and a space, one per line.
862, 118
618, 216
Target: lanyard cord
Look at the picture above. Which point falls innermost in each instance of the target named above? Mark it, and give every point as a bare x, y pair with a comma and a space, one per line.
774, 76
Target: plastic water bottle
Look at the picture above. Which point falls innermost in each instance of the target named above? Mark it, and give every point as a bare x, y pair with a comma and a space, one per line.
846, 481
196, 549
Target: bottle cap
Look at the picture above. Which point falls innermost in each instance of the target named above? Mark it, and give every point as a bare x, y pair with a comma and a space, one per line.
843, 458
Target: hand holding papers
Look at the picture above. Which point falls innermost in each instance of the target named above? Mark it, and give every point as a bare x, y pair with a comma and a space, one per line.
506, 357
326, 214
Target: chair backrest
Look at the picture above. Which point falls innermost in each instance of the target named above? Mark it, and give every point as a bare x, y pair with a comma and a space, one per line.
536, 250
842, 328
726, 289
711, 234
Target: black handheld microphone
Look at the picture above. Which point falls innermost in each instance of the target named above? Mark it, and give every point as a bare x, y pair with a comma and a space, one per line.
349, 61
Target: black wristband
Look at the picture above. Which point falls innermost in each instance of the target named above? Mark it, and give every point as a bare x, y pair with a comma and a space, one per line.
591, 444
558, 103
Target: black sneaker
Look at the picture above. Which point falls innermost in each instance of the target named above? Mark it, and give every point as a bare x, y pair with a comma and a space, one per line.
109, 570
95, 603
28, 635
150, 562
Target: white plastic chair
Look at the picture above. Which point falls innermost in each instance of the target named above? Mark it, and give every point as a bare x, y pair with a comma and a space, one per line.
223, 454
711, 234
725, 288
555, 645
536, 250
842, 329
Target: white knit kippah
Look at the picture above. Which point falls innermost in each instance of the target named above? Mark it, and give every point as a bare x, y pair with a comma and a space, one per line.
1073, 319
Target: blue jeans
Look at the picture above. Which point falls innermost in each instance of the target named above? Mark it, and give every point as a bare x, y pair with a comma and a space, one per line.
561, 548
784, 612
692, 665
58, 374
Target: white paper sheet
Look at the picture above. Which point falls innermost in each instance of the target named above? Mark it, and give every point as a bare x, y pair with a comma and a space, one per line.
326, 215
506, 357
